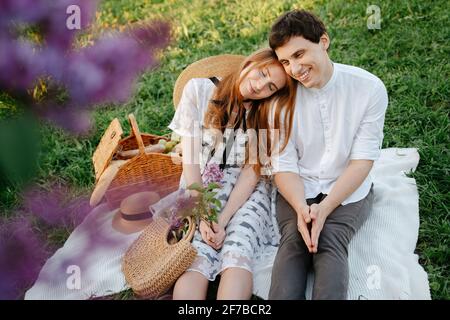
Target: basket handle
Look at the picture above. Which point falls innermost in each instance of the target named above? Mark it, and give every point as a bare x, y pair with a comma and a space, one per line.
191, 230
137, 133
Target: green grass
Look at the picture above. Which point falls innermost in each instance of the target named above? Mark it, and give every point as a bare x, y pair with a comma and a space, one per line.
409, 53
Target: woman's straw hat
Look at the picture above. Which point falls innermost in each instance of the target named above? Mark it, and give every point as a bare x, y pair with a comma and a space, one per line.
215, 66
134, 213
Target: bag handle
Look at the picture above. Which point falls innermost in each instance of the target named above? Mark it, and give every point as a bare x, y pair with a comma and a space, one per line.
137, 133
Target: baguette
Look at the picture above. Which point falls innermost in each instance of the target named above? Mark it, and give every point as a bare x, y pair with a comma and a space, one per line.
155, 148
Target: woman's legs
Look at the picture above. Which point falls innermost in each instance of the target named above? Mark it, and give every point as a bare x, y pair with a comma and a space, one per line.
191, 285
235, 284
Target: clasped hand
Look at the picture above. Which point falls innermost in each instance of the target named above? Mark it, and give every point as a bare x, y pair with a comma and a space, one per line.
213, 234
310, 221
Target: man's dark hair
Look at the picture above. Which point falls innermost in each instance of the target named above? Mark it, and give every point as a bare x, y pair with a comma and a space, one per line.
296, 23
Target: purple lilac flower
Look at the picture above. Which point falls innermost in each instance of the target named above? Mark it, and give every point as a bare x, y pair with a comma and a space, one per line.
73, 120
54, 208
23, 11
54, 25
101, 73
105, 72
212, 174
22, 254
50, 16
174, 221
20, 66
182, 207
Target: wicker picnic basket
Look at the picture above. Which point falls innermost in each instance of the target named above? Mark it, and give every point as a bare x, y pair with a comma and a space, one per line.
156, 172
151, 265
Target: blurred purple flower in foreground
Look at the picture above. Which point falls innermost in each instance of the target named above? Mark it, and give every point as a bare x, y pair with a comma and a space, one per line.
55, 208
22, 254
37, 45
30, 11
19, 65
104, 72
23, 250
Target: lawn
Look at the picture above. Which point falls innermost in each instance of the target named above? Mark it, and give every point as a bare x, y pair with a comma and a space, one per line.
409, 53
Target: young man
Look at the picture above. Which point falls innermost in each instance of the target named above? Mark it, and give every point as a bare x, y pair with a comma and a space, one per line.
324, 186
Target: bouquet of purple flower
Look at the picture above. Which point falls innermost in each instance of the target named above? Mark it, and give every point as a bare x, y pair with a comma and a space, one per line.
182, 208
203, 207
208, 205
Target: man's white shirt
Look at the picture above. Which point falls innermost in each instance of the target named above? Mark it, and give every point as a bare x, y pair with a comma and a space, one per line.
340, 122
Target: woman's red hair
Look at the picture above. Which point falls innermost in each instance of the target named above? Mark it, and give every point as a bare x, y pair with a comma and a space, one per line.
227, 96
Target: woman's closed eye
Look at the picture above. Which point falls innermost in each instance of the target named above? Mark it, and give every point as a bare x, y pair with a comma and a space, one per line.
272, 86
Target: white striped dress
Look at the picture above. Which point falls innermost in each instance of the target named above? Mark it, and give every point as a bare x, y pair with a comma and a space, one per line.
251, 231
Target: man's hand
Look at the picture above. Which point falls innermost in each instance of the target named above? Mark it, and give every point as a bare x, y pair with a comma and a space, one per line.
350, 180
318, 214
303, 218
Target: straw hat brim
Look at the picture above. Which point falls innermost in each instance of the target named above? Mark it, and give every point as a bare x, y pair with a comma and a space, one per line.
215, 66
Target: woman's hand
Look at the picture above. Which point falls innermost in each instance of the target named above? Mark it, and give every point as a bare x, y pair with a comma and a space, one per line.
220, 234
213, 237
207, 233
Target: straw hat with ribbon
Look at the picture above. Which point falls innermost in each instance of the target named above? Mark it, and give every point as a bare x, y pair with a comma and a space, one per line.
215, 66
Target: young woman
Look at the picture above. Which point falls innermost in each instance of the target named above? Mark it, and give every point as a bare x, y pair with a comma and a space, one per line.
208, 111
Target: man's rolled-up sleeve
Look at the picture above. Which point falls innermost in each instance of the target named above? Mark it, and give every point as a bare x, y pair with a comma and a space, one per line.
369, 137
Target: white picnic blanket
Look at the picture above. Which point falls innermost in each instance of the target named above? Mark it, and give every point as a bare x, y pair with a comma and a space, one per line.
382, 262
381, 255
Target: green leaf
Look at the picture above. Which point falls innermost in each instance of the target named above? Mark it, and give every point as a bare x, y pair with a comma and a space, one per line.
213, 217
212, 186
217, 203
196, 186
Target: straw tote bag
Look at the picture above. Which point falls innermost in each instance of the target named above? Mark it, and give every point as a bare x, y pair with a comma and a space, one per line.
152, 265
